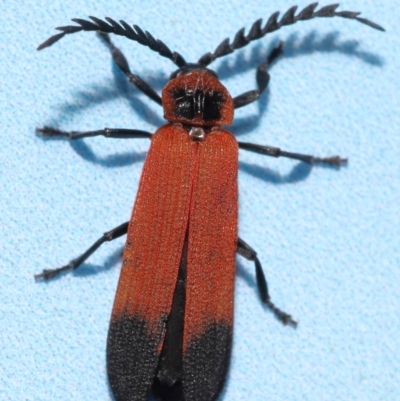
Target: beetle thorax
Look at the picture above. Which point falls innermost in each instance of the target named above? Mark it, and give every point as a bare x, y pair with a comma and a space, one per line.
197, 98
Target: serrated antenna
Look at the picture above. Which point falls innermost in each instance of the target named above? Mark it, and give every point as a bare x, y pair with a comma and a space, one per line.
289, 18
122, 29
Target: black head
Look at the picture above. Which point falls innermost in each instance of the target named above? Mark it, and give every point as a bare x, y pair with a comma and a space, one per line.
188, 67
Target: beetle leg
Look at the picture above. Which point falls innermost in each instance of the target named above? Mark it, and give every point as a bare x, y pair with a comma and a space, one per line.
122, 63
335, 161
249, 253
121, 133
262, 77
75, 263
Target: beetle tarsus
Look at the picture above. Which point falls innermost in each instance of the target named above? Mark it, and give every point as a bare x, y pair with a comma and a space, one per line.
48, 274
335, 161
283, 317
48, 132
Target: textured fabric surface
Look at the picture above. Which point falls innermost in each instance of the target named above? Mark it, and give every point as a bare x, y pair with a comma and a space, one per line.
328, 240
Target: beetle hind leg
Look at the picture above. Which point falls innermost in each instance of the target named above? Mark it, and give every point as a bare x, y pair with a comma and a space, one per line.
249, 253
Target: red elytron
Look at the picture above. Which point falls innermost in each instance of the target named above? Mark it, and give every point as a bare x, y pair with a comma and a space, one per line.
171, 326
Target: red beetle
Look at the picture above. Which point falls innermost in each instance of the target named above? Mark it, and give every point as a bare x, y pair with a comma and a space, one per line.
171, 325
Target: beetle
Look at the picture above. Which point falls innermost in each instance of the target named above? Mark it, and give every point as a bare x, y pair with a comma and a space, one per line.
171, 325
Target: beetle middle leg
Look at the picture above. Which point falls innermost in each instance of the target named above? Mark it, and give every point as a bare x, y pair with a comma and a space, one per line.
121, 133
249, 253
335, 161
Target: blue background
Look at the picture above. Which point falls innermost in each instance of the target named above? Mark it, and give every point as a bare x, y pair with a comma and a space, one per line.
328, 239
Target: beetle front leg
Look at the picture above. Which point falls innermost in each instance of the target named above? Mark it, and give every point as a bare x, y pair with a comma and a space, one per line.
123, 65
262, 77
